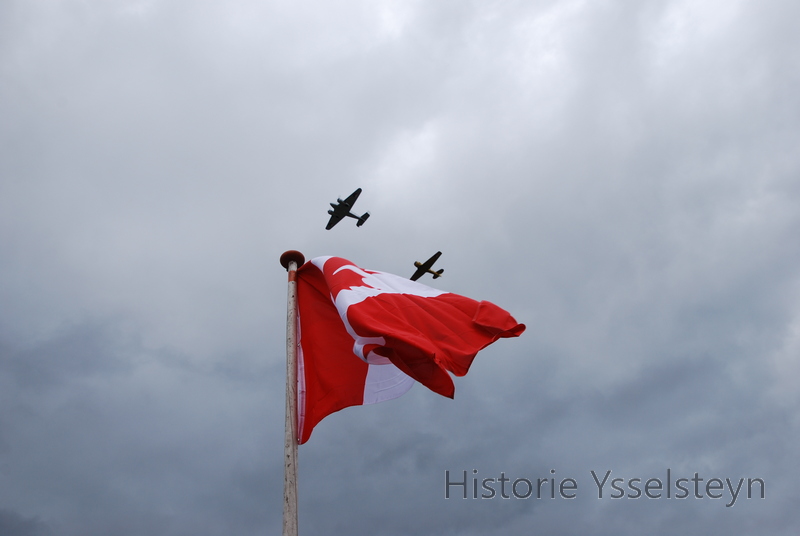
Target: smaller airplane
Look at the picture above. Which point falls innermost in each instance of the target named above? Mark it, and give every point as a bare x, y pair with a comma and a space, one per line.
425, 267
342, 208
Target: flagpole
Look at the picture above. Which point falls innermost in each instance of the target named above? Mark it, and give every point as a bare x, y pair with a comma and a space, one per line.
291, 260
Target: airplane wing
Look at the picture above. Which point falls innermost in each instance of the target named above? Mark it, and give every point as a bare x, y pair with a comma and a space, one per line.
427, 264
351, 199
335, 218
418, 273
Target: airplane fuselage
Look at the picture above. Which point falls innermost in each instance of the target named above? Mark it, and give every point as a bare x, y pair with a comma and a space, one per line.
340, 209
425, 267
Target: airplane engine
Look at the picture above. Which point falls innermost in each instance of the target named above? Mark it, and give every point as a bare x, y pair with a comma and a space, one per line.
330, 212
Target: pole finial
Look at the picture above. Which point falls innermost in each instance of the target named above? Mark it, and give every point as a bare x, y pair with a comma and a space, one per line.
292, 255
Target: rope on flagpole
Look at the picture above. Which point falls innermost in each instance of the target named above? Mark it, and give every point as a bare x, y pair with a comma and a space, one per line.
291, 260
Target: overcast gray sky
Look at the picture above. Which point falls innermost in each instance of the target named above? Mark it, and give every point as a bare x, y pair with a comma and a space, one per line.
623, 177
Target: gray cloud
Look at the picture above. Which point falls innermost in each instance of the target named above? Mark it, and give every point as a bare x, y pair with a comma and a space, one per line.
621, 177
14, 524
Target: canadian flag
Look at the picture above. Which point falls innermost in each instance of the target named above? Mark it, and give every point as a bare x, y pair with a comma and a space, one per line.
367, 336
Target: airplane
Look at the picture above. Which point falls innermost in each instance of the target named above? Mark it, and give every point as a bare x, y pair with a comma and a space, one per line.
425, 267
342, 208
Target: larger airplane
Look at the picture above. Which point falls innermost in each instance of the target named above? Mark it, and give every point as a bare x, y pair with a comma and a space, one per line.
425, 267
342, 208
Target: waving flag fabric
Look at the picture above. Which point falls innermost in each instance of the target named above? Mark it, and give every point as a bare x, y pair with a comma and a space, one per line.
367, 336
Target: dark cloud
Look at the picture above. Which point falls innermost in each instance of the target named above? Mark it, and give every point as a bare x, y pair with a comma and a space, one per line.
13, 524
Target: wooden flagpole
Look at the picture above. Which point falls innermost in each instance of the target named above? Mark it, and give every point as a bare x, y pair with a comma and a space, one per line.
291, 260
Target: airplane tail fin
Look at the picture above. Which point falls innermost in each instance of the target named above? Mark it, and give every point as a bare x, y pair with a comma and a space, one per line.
362, 219
438, 273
